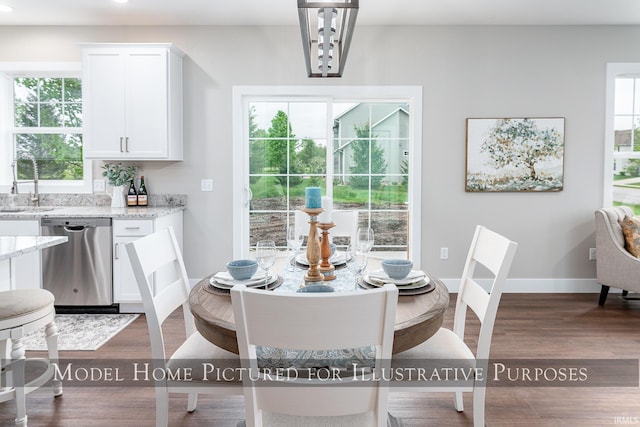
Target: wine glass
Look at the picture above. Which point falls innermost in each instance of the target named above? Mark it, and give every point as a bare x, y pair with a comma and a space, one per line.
365, 238
294, 242
266, 256
356, 261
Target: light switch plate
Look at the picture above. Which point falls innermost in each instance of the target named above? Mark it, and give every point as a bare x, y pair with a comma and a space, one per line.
99, 185
206, 185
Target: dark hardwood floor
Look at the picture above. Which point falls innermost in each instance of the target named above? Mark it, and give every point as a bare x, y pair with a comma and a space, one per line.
529, 326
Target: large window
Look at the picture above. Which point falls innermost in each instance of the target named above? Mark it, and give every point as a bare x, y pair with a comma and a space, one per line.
42, 118
622, 155
357, 149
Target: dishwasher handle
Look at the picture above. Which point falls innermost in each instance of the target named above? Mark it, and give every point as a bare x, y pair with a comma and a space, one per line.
74, 228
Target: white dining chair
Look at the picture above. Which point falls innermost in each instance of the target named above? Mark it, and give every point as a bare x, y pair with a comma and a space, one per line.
314, 322
346, 224
160, 252
447, 348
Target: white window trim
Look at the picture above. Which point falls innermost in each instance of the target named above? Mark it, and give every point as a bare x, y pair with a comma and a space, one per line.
242, 95
55, 69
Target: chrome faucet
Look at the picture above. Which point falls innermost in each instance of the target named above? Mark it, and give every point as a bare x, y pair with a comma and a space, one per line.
35, 198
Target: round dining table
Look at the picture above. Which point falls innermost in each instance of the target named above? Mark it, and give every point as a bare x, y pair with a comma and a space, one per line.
418, 317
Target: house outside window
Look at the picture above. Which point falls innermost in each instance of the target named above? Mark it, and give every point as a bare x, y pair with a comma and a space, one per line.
42, 120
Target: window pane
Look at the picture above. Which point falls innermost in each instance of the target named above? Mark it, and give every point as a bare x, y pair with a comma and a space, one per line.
390, 230
390, 196
268, 226
51, 114
72, 115
72, 90
26, 115
44, 104
624, 96
311, 156
59, 156
308, 119
269, 193
626, 143
50, 89
289, 152
260, 116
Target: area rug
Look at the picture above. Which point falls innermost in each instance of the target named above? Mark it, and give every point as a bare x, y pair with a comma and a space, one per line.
82, 331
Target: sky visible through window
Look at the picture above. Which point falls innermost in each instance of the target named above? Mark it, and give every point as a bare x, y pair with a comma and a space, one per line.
304, 117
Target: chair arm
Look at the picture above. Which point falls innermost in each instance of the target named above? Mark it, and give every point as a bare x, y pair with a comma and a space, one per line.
615, 266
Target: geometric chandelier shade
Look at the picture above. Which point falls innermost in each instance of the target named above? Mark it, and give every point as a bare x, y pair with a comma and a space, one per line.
326, 28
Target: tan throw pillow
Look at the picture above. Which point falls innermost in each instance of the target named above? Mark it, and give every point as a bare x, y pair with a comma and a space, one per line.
631, 230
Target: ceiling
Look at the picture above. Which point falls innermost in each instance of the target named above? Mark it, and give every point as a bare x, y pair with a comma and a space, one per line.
283, 12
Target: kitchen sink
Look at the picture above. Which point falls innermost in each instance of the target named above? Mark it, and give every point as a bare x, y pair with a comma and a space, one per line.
26, 209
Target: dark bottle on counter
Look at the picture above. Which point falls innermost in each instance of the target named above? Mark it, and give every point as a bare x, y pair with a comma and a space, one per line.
132, 195
142, 193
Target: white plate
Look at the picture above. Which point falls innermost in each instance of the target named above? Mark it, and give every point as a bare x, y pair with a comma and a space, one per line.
339, 257
380, 276
224, 280
415, 285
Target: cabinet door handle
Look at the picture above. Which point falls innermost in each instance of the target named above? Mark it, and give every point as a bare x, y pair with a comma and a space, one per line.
116, 255
132, 228
121, 144
126, 144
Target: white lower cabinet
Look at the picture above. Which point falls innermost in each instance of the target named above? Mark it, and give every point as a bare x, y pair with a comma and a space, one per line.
125, 288
22, 272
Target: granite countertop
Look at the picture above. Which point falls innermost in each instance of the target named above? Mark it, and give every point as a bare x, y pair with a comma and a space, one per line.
13, 246
90, 212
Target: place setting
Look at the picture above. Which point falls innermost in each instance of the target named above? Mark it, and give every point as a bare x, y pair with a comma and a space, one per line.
338, 259
251, 273
400, 273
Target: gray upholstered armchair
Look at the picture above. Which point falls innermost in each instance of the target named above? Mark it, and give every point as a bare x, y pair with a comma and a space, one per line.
615, 266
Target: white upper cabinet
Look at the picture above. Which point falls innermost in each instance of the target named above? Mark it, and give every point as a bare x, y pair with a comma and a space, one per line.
132, 101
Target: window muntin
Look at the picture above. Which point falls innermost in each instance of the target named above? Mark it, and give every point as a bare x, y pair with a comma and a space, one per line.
47, 118
625, 160
365, 160
9, 71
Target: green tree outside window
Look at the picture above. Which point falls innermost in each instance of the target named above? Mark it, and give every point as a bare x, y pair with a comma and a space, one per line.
48, 122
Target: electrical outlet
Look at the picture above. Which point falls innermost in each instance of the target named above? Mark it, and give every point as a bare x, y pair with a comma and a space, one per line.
98, 185
444, 253
592, 254
206, 185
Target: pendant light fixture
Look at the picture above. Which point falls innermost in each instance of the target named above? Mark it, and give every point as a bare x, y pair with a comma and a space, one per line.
326, 29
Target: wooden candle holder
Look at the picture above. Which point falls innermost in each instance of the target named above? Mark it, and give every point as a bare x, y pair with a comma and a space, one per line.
326, 268
313, 246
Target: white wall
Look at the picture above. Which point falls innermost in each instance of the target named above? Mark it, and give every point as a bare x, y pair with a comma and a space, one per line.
465, 71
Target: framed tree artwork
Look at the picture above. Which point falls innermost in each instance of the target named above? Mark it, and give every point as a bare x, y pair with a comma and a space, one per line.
515, 154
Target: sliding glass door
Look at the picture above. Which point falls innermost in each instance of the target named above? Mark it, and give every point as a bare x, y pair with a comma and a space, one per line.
358, 150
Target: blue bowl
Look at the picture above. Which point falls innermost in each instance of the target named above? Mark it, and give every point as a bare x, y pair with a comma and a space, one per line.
316, 288
397, 268
242, 269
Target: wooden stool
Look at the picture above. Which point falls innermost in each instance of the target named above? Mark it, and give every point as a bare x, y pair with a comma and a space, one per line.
21, 312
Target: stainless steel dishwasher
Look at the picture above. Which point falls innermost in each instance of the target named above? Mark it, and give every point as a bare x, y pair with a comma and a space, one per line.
79, 273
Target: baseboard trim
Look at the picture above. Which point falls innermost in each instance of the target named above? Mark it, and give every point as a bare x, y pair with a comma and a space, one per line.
546, 286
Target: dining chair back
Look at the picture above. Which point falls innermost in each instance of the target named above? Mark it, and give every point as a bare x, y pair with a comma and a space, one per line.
314, 322
495, 253
162, 294
346, 224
